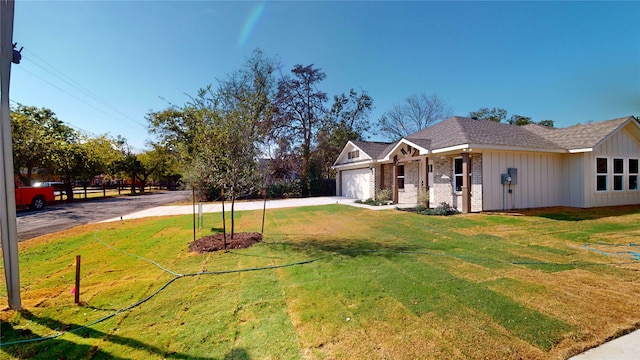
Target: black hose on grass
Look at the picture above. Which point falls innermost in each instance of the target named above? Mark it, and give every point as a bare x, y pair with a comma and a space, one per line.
303, 262
140, 302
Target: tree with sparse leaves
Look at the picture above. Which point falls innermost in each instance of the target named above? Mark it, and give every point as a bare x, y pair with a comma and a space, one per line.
417, 112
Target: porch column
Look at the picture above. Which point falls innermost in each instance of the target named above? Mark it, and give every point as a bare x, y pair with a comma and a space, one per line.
394, 180
426, 180
466, 186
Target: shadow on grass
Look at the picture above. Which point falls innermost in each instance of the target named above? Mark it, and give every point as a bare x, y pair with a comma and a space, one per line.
352, 248
579, 214
60, 348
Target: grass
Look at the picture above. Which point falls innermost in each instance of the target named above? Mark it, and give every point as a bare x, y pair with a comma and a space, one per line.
384, 284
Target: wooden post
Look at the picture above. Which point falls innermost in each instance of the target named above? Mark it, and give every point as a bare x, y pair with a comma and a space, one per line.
77, 294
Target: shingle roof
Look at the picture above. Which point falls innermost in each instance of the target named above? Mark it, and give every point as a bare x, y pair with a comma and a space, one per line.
460, 130
374, 149
578, 136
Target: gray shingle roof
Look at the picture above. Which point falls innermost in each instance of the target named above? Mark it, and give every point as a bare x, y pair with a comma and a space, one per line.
374, 149
458, 130
578, 136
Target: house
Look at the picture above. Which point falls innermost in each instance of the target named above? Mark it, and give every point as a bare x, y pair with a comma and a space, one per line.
480, 165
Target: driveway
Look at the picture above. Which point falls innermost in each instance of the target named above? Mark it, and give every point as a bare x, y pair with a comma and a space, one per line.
63, 216
244, 205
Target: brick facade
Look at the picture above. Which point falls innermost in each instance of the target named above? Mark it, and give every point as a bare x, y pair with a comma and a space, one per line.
443, 182
409, 195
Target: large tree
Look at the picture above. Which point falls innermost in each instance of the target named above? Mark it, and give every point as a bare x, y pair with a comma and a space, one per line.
500, 115
299, 113
32, 131
346, 120
493, 114
417, 112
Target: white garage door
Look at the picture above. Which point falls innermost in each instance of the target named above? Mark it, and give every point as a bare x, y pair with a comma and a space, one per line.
355, 183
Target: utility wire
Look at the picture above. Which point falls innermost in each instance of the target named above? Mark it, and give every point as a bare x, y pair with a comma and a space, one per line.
67, 79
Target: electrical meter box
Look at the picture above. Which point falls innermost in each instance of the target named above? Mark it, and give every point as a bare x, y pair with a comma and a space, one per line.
513, 174
505, 179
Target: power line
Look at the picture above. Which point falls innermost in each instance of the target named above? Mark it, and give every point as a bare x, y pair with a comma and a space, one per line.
75, 97
67, 79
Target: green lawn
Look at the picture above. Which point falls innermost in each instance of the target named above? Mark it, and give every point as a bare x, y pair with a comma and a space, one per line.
333, 282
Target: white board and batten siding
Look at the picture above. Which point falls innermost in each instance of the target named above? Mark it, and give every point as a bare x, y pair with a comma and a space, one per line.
540, 181
620, 145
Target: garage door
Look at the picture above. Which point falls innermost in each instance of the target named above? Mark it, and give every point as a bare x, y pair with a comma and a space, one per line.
355, 183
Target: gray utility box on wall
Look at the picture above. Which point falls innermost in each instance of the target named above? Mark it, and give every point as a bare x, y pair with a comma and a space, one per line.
513, 174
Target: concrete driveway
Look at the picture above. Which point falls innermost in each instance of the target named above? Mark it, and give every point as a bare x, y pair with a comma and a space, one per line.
245, 205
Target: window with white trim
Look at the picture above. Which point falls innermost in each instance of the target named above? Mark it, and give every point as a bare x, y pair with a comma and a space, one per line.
633, 174
601, 174
618, 174
457, 174
400, 176
353, 154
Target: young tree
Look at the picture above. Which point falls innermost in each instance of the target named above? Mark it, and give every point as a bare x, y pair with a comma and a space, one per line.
300, 111
416, 113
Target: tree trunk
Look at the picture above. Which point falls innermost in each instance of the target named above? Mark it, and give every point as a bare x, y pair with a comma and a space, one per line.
233, 203
68, 187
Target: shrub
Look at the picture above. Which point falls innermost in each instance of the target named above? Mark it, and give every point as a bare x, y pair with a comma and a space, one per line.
285, 189
371, 202
383, 195
443, 209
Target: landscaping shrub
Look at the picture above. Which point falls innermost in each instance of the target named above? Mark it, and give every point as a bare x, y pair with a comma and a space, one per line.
443, 209
285, 189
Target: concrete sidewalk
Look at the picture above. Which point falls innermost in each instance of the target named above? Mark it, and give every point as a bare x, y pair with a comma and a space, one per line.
623, 348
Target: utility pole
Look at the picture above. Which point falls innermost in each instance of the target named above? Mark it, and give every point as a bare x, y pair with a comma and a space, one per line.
8, 231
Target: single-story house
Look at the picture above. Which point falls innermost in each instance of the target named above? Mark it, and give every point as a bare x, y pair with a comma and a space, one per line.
480, 165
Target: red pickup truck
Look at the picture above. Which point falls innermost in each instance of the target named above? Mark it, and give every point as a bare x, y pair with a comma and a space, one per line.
35, 197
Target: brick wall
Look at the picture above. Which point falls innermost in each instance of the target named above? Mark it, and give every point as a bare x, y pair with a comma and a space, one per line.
442, 180
411, 183
476, 182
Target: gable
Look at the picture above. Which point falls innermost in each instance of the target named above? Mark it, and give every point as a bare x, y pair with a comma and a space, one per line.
623, 142
351, 153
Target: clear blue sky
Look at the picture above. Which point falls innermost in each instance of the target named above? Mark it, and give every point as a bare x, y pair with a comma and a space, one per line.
101, 66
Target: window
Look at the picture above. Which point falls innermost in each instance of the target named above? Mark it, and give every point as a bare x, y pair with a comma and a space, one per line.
353, 154
601, 177
457, 174
400, 176
618, 171
633, 174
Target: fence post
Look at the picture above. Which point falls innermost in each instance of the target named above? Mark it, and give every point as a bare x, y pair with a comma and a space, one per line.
77, 299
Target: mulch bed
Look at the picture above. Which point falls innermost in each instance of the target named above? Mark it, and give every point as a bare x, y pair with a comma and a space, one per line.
216, 242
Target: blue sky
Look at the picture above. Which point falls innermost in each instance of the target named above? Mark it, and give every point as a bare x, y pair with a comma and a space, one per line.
102, 65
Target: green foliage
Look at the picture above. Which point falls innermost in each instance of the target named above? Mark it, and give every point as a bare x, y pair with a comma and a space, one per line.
372, 202
299, 113
283, 189
443, 209
494, 114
